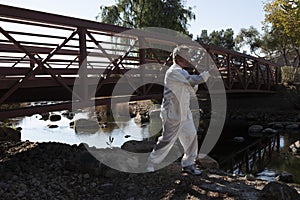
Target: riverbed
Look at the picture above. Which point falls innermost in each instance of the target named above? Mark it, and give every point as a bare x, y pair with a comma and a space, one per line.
114, 134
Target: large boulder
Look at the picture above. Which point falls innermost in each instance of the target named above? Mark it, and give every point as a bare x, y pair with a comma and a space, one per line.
278, 191
9, 134
86, 126
138, 146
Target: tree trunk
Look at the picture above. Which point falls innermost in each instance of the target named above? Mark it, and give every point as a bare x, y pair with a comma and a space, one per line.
297, 65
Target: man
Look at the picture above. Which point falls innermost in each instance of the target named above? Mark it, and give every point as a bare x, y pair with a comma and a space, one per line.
176, 115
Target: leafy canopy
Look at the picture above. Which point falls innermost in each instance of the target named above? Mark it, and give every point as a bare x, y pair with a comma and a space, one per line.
219, 38
171, 14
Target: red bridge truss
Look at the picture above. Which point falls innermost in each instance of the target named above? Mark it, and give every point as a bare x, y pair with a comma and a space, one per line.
43, 56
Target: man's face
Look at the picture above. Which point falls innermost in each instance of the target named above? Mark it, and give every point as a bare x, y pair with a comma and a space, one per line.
183, 59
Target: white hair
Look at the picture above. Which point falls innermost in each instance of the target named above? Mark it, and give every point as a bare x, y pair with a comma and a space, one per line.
180, 51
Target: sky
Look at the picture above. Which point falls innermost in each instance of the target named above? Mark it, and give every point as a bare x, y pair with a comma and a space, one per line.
210, 14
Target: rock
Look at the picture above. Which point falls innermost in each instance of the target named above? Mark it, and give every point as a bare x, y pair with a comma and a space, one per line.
295, 147
276, 125
239, 139
292, 127
86, 126
9, 134
142, 118
298, 118
86, 176
104, 125
278, 191
71, 124
54, 118
255, 129
133, 109
206, 161
250, 177
269, 131
52, 126
69, 115
252, 116
138, 146
155, 125
285, 177
19, 128
45, 116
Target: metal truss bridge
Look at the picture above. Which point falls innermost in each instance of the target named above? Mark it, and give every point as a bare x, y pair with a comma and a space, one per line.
43, 57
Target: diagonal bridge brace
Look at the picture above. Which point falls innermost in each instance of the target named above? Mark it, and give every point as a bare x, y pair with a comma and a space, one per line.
33, 70
116, 64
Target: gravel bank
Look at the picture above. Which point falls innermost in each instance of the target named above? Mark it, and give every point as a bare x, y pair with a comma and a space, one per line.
45, 171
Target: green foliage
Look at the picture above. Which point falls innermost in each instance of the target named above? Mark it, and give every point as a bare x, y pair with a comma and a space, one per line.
287, 74
219, 38
282, 23
170, 14
249, 37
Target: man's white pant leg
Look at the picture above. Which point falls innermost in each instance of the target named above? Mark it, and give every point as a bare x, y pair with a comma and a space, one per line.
189, 141
165, 142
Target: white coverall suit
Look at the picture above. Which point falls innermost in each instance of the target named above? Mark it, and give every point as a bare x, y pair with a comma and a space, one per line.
176, 116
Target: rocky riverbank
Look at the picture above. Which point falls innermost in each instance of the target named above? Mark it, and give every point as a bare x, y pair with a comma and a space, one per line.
59, 171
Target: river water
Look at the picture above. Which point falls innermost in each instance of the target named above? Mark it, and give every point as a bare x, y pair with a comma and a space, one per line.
283, 160
36, 130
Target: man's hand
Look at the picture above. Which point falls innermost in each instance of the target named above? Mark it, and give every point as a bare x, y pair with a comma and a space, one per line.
205, 75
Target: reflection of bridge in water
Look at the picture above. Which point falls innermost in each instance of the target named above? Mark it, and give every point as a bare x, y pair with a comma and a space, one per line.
251, 158
40, 55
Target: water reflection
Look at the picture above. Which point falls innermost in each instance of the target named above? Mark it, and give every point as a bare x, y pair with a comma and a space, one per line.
284, 160
36, 130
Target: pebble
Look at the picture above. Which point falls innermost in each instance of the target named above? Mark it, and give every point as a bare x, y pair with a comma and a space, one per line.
14, 178
93, 184
86, 176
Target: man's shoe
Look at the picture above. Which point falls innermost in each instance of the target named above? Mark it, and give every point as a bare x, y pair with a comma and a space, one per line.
150, 167
192, 169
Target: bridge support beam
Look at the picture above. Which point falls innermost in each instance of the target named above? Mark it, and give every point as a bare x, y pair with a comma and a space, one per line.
83, 65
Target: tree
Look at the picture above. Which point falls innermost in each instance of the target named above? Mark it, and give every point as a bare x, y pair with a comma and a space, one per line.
219, 38
249, 37
282, 22
171, 14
